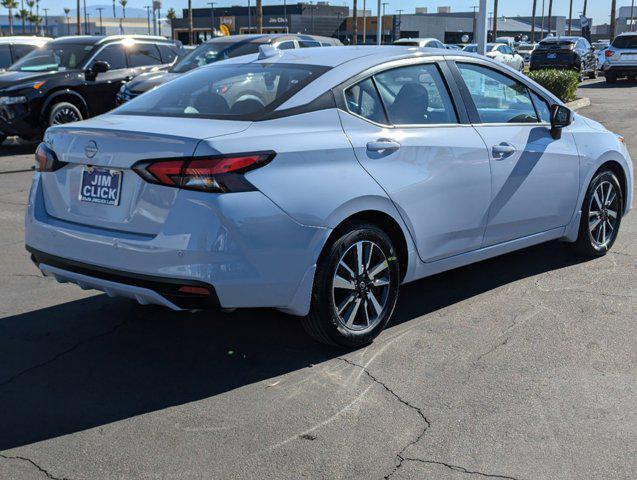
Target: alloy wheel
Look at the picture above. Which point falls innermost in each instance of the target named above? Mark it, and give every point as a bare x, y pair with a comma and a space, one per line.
361, 285
602, 214
65, 115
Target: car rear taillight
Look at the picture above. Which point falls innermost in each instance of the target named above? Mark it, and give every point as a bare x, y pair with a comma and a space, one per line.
46, 160
218, 174
609, 53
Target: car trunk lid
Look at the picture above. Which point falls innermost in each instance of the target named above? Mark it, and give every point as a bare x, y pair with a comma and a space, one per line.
114, 143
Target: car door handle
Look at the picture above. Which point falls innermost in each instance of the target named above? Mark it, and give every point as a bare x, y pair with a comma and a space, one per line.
502, 151
382, 144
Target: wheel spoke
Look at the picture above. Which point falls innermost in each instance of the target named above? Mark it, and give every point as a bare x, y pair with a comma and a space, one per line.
347, 269
366, 312
351, 315
610, 226
359, 258
340, 282
380, 282
594, 223
372, 299
350, 298
609, 192
611, 199
612, 213
377, 269
603, 229
368, 257
597, 200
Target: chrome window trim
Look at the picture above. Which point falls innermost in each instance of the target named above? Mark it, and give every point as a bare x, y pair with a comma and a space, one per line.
403, 62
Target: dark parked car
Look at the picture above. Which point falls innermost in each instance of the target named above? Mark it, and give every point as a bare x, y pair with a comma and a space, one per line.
220, 48
13, 49
567, 53
73, 78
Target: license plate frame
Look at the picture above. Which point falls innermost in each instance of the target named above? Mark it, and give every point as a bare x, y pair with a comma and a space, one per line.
551, 56
102, 186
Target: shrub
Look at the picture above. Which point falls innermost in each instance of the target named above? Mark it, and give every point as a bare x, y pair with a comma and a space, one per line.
561, 83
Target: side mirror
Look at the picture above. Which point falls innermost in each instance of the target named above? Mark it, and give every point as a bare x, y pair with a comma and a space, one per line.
561, 117
100, 67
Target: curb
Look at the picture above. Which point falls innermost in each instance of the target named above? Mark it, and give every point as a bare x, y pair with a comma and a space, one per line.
579, 103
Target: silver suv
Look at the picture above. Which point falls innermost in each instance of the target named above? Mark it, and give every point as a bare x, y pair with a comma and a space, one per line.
621, 58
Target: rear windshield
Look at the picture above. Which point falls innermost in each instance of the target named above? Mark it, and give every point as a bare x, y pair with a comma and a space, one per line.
213, 52
556, 44
626, 41
230, 92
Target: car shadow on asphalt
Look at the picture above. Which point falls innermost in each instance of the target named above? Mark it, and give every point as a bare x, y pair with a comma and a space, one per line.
9, 149
94, 361
610, 86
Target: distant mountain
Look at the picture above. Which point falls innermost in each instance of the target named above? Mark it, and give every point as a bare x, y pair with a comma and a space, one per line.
108, 11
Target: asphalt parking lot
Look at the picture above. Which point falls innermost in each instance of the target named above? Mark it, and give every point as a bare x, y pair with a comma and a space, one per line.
521, 367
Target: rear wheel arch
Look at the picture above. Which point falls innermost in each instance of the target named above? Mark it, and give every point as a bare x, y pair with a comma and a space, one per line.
386, 223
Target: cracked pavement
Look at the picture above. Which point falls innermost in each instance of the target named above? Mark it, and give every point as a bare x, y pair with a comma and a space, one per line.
520, 367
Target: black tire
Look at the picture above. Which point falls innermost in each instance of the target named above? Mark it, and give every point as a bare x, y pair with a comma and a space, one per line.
64, 112
324, 323
2, 138
593, 74
586, 244
610, 78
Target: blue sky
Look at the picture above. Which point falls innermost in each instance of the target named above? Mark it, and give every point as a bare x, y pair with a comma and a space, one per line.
598, 9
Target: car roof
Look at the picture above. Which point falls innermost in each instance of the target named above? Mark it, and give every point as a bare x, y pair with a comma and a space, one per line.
267, 38
561, 39
416, 39
32, 40
101, 39
626, 34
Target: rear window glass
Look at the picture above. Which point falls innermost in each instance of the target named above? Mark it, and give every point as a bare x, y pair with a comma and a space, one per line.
626, 41
231, 92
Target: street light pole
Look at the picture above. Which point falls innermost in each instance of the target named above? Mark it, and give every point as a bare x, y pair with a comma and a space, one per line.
481, 30
46, 21
148, 7
99, 9
212, 17
379, 27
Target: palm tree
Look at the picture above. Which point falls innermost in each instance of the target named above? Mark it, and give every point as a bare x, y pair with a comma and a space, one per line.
30, 4
533, 21
260, 16
123, 4
170, 16
355, 25
22, 15
10, 5
77, 18
66, 14
114, 11
613, 23
35, 20
570, 17
495, 19
550, 14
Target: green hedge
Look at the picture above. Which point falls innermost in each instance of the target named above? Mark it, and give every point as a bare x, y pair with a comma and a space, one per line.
561, 83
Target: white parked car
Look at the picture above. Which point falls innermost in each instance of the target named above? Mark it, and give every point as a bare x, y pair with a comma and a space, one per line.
621, 58
420, 42
13, 49
500, 53
525, 50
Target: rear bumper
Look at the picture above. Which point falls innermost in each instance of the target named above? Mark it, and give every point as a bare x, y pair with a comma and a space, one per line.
247, 250
621, 70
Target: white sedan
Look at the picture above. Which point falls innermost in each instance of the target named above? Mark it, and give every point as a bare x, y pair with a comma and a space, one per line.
500, 52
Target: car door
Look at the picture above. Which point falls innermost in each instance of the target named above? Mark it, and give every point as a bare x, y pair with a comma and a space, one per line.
408, 134
534, 176
100, 92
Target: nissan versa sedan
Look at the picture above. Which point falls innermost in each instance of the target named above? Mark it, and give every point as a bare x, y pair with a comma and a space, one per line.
348, 172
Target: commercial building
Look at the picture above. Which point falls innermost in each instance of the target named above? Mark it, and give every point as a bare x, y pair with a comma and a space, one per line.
317, 19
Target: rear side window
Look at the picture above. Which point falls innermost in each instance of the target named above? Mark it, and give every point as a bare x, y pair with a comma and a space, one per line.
362, 99
114, 55
625, 41
232, 92
143, 54
416, 95
309, 43
285, 46
497, 97
168, 53
20, 51
5, 56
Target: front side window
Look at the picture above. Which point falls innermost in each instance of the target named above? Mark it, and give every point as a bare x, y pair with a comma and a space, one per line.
497, 97
114, 55
362, 99
168, 53
416, 95
213, 52
20, 51
5, 56
309, 43
231, 92
143, 54
53, 58
542, 107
